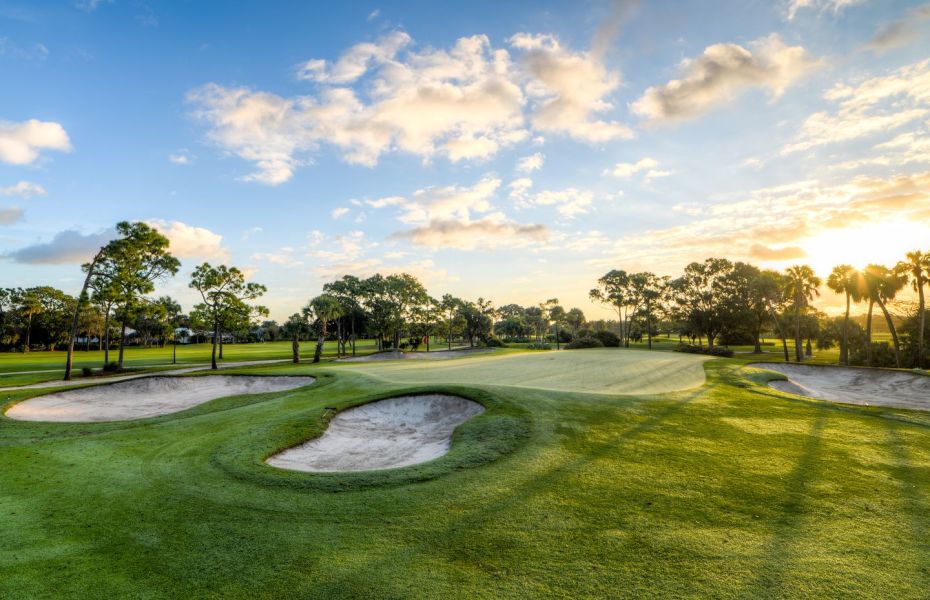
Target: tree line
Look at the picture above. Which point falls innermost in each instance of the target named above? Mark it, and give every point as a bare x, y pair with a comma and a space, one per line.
731, 303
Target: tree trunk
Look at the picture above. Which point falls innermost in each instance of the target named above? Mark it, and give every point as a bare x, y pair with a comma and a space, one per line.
174, 350
781, 333
319, 345
216, 335
894, 333
122, 344
868, 334
106, 335
295, 349
353, 335
923, 323
758, 346
221, 345
649, 325
844, 347
797, 330
28, 334
808, 350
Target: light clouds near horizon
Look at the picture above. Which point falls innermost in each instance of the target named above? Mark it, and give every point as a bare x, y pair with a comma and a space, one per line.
514, 152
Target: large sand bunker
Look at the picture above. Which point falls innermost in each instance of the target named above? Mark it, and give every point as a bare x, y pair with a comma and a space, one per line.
386, 434
874, 387
145, 397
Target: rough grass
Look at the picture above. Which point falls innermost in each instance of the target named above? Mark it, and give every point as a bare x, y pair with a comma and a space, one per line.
601, 371
726, 490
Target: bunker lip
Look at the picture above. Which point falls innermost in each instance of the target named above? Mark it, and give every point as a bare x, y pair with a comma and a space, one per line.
145, 397
870, 387
385, 434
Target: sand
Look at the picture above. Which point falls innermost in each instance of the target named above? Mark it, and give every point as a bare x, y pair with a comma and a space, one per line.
386, 434
78, 380
420, 355
871, 387
144, 397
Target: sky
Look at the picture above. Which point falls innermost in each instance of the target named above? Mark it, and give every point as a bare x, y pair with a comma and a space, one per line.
510, 150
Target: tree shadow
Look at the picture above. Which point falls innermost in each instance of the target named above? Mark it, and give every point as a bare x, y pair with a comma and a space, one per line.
776, 556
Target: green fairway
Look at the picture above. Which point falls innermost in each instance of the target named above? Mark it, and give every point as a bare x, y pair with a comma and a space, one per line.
729, 489
17, 368
600, 371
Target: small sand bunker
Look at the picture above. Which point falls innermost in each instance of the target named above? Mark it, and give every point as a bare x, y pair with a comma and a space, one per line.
874, 387
419, 355
386, 434
145, 397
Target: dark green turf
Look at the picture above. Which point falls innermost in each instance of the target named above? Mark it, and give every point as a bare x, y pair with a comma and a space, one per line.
728, 490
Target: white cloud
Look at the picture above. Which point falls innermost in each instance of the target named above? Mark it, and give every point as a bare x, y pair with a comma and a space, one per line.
449, 202
519, 188
570, 202
23, 189
722, 72
282, 257
531, 163
90, 5
341, 247
569, 88
339, 212
188, 241
461, 103
627, 170
66, 247
21, 143
868, 107
491, 231
181, 158
792, 7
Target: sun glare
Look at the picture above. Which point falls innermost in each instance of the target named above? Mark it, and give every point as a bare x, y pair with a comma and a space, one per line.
882, 243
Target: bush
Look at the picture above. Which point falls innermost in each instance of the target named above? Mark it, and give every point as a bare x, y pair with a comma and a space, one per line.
882, 355
608, 339
585, 342
494, 343
111, 367
715, 351
87, 372
539, 346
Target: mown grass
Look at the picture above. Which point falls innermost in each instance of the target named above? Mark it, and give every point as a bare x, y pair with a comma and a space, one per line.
726, 490
15, 366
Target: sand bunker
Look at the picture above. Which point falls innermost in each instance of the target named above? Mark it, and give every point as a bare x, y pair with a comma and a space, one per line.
421, 355
145, 397
873, 387
386, 434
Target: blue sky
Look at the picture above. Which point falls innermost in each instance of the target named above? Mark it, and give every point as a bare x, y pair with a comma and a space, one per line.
508, 150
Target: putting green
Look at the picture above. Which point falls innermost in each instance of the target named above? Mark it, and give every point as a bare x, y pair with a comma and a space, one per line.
597, 371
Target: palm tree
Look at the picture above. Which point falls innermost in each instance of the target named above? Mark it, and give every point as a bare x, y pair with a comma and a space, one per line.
883, 285
30, 307
801, 286
917, 269
326, 308
844, 279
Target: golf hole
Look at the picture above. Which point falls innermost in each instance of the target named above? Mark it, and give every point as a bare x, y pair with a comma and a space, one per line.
386, 434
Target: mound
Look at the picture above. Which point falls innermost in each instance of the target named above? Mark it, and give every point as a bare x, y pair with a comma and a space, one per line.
145, 397
386, 434
596, 371
853, 385
419, 355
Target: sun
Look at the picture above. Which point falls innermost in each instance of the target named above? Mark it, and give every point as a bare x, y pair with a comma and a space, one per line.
884, 243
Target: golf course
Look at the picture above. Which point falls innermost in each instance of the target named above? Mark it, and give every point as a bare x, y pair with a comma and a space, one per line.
519, 300
667, 475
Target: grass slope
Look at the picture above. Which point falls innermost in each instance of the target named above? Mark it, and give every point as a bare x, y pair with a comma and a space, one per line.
726, 490
600, 371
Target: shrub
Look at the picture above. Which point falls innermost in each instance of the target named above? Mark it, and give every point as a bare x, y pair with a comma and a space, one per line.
715, 351
585, 342
87, 372
608, 338
539, 346
111, 367
494, 343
